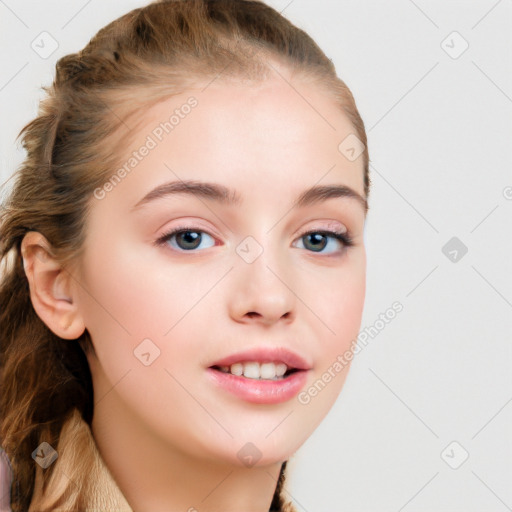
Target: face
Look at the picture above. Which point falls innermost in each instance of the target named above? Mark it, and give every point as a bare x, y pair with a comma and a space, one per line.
252, 279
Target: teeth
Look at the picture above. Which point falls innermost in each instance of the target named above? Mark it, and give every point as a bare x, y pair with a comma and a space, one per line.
280, 369
252, 370
268, 371
255, 370
236, 369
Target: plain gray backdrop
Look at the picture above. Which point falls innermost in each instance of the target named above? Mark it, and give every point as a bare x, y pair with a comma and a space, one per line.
424, 421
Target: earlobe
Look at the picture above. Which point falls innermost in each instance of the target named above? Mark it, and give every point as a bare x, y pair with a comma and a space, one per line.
51, 288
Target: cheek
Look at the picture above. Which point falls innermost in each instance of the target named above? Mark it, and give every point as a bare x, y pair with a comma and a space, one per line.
145, 320
340, 306
342, 311
133, 296
131, 289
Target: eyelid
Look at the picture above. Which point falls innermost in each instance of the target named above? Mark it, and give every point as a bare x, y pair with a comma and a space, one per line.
193, 226
330, 226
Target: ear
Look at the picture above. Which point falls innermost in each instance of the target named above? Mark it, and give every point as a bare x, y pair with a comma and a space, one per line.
51, 288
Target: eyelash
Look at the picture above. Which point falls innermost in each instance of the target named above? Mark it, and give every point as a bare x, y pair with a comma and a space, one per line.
343, 237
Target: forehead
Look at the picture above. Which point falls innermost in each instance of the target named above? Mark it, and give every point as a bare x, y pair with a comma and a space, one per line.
275, 132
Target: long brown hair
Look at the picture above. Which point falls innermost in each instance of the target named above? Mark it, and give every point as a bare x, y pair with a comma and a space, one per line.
147, 55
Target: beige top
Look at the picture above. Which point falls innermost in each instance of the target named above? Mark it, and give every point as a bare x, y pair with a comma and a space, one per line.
80, 480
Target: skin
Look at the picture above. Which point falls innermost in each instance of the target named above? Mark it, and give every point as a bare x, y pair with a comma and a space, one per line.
168, 435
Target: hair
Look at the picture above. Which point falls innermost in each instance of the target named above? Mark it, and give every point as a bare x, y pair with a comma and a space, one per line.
143, 57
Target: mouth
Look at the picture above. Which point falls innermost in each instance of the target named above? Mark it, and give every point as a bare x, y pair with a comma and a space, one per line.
263, 375
275, 370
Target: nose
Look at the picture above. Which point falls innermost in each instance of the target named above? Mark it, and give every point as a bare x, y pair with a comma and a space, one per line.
262, 292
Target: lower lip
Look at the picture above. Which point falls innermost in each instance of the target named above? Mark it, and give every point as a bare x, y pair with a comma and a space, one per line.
260, 391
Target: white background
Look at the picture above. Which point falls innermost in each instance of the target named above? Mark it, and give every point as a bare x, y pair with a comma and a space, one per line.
440, 146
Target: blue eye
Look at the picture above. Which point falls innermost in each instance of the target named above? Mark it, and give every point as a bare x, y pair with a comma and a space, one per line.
319, 240
189, 238
186, 239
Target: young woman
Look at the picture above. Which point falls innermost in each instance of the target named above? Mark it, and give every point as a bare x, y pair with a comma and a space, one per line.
183, 264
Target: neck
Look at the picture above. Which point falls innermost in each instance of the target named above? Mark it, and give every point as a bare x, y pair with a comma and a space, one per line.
156, 476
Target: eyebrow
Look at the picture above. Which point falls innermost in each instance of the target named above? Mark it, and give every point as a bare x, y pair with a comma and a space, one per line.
227, 196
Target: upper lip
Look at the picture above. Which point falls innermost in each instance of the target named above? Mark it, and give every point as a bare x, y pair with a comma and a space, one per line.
266, 355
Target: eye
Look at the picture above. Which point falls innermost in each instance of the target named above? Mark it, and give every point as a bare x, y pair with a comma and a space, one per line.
188, 238
185, 238
318, 240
